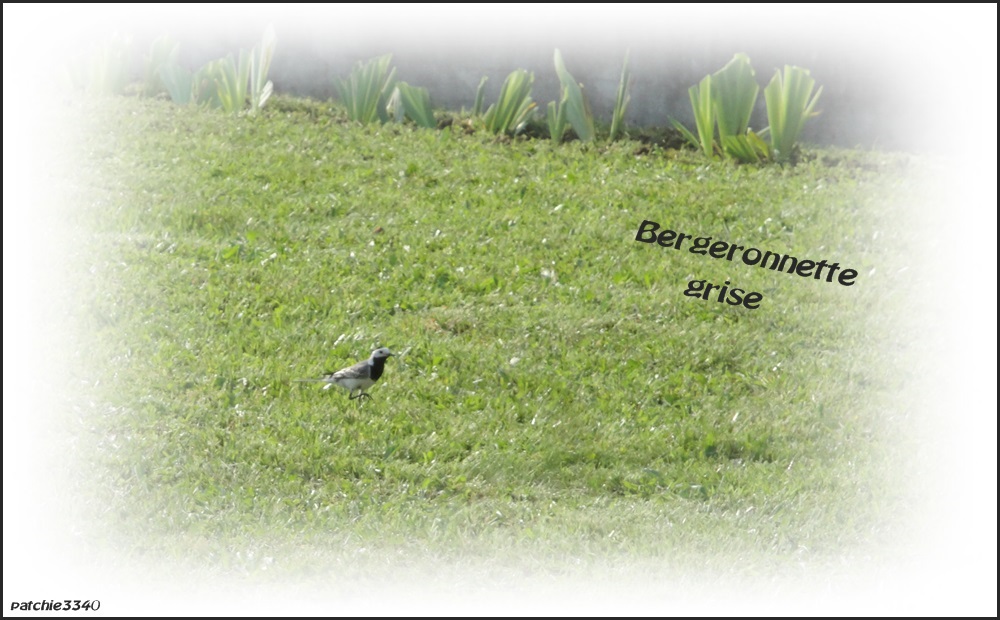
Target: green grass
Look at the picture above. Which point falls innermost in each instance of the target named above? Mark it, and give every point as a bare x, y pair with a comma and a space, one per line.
556, 393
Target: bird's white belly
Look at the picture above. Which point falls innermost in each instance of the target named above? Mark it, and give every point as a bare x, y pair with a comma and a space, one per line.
351, 383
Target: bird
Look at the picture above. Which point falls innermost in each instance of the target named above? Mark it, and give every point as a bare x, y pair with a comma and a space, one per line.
360, 376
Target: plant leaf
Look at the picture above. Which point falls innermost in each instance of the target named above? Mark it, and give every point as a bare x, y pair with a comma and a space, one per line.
734, 93
621, 103
577, 108
162, 51
416, 102
690, 137
556, 119
747, 148
178, 81
477, 108
260, 65
704, 114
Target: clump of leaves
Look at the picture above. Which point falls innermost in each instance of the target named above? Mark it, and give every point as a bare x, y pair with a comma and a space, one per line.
704, 117
367, 89
179, 82
790, 102
723, 103
224, 83
573, 105
103, 71
412, 102
514, 106
231, 80
371, 93
162, 51
555, 117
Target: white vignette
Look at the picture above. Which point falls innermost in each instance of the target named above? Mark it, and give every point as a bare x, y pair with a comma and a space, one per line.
951, 49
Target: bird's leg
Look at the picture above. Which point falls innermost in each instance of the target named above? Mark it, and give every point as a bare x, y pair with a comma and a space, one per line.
360, 395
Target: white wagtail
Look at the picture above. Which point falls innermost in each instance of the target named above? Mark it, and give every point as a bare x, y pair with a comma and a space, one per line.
360, 376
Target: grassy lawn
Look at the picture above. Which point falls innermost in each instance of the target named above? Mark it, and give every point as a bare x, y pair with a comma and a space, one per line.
554, 395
